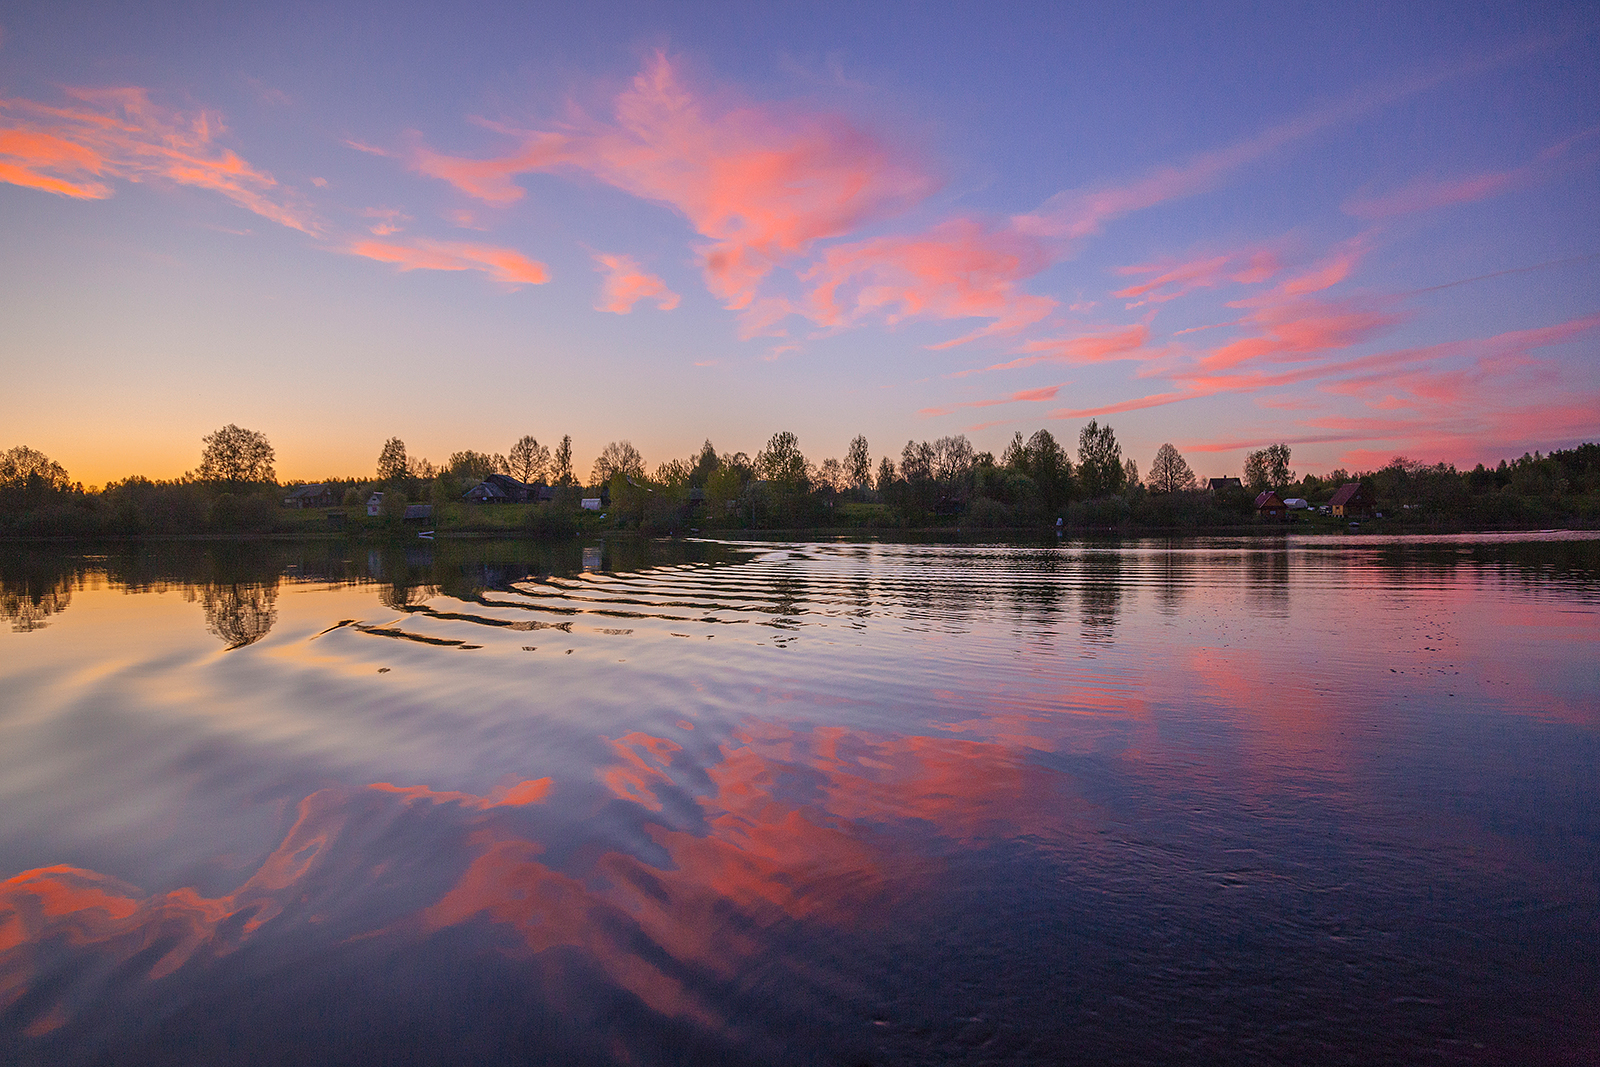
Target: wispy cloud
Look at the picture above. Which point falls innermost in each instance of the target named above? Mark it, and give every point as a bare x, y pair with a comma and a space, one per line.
1021, 396
1172, 279
105, 135
1126, 343
627, 283
504, 265
761, 183
1428, 193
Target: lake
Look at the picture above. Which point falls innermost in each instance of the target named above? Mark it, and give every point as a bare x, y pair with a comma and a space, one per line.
1226, 800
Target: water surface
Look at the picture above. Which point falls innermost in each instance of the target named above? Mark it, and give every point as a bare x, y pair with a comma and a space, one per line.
1219, 800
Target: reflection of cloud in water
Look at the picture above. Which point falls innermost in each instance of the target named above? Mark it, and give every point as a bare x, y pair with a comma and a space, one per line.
754, 864
240, 614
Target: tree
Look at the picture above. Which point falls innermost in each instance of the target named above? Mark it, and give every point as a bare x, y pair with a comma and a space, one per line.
858, 463
831, 475
704, 465
1170, 472
1099, 460
235, 455
619, 457
392, 461
1268, 468
1046, 462
24, 468
1130, 473
782, 461
472, 467
886, 474
561, 466
529, 459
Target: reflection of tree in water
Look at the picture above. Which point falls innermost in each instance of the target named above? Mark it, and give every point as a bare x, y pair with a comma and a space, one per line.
1174, 575
240, 614
27, 605
1101, 598
1267, 572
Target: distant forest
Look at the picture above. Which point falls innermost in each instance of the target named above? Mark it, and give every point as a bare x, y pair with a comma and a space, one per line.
1035, 482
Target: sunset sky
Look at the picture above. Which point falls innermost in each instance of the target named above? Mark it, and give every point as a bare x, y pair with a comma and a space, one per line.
1363, 230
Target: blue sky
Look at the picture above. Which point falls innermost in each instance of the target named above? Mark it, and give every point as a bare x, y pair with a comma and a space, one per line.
1365, 231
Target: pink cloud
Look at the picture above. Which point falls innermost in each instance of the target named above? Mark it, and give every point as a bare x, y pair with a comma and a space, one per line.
761, 183
108, 134
960, 269
505, 265
1021, 396
1427, 193
1174, 279
1085, 348
626, 284
1297, 329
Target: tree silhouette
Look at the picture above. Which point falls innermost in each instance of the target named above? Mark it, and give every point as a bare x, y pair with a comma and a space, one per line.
1170, 472
618, 457
235, 455
858, 463
392, 461
528, 460
561, 466
1099, 460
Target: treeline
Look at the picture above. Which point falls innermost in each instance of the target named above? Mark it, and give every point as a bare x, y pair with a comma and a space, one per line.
1034, 482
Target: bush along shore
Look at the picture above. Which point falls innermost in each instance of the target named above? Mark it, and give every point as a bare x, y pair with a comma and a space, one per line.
940, 486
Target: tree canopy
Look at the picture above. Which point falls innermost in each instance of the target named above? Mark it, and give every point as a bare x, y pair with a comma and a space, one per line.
392, 461
1100, 469
236, 455
529, 460
1268, 468
618, 457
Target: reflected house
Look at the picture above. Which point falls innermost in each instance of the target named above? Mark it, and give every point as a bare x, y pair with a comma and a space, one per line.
320, 495
1351, 500
1269, 506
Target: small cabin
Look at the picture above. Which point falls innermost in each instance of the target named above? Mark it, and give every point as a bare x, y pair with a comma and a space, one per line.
310, 496
1351, 500
374, 504
1269, 506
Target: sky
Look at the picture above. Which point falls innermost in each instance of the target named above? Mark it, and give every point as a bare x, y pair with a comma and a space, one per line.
1364, 230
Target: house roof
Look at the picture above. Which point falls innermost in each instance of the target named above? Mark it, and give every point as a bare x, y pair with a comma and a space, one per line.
1224, 483
1268, 499
308, 490
1345, 494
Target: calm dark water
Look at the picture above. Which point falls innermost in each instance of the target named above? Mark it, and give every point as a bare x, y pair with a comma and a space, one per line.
1210, 801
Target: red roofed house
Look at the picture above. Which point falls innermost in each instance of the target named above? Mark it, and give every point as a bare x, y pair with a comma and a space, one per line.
1268, 506
1351, 500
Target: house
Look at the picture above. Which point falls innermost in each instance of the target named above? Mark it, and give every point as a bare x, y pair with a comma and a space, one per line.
374, 502
310, 496
501, 489
1351, 500
1268, 506
1220, 485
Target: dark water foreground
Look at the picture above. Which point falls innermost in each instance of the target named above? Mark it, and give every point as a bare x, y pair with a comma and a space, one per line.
1216, 801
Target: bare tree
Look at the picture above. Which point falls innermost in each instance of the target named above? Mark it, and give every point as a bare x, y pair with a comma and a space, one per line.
392, 461
235, 455
1170, 472
528, 460
619, 457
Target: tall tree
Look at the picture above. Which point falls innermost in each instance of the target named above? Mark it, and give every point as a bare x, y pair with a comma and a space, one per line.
24, 468
858, 463
470, 466
618, 457
392, 462
1170, 472
561, 465
235, 455
1047, 463
782, 461
704, 465
1130, 472
528, 460
1099, 460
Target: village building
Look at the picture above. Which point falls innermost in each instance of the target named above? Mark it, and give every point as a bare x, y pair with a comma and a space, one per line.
374, 504
501, 489
310, 496
1351, 500
1269, 506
